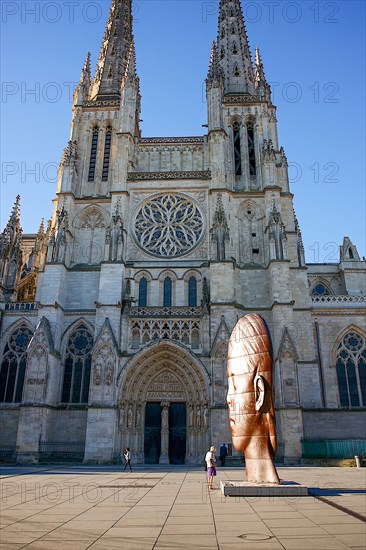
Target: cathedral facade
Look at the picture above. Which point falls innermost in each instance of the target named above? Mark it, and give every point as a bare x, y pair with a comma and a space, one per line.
115, 317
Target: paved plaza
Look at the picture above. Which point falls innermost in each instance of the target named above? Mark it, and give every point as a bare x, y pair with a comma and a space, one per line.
102, 508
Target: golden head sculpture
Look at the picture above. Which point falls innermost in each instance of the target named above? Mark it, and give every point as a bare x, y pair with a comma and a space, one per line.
250, 398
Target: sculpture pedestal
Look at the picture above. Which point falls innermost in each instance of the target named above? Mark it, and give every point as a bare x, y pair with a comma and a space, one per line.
248, 489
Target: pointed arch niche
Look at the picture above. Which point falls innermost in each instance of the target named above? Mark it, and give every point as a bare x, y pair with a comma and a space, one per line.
164, 374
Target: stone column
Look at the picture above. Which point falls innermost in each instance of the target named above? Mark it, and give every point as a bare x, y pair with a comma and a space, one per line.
164, 454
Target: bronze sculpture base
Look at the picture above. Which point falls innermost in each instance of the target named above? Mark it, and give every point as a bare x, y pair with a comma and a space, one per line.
248, 489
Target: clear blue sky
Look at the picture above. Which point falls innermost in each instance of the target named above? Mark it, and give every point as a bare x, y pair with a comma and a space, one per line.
313, 54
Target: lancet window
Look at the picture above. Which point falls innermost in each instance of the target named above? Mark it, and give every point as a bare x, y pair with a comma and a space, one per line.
237, 148
107, 153
76, 381
93, 154
251, 149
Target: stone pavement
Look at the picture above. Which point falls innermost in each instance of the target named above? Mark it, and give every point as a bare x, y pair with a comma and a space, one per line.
98, 507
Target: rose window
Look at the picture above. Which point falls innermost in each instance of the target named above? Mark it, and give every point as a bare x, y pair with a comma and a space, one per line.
168, 225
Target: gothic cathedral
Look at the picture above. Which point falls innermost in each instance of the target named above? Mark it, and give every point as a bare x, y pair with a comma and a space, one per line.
115, 317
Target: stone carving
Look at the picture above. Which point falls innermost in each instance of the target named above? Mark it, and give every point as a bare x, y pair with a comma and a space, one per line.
109, 373
205, 416
277, 235
70, 156
220, 229
191, 416
115, 237
98, 374
129, 417
268, 150
58, 241
251, 409
198, 417
186, 331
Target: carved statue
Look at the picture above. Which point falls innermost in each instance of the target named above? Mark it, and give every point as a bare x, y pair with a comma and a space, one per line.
205, 416
191, 416
138, 417
97, 374
122, 416
109, 375
129, 417
250, 399
165, 417
198, 417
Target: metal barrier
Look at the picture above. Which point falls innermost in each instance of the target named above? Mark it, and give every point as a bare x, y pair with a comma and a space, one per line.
333, 448
50, 451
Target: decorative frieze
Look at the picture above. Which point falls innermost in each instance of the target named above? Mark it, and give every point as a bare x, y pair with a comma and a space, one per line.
166, 312
143, 176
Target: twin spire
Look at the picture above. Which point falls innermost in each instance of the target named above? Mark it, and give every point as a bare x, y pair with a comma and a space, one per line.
116, 52
231, 59
231, 64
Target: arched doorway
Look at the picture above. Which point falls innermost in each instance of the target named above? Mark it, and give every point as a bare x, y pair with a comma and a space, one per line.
163, 405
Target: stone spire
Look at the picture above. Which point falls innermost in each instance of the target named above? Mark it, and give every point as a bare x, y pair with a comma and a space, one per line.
215, 75
233, 49
114, 52
261, 85
83, 88
10, 253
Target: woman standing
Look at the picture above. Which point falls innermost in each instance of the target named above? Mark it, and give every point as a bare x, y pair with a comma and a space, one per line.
127, 457
211, 465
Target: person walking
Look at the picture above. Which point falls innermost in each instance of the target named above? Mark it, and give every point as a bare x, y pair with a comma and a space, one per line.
211, 465
223, 454
127, 457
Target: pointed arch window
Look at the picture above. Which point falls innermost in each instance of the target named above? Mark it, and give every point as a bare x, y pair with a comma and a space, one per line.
236, 70
237, 148
107, 153
222, 53
251, 149
75, 388
93, 154
143, 292
13, 365
350, 253
234, 49
168, 287
192, 292
351, 370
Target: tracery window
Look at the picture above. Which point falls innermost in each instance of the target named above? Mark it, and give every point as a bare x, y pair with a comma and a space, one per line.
251, 150
168, 225
13, 365
192, 292
351, 370
320, 290
143, 292
93, 154
168, 286
237, 148
107, 153
76, 381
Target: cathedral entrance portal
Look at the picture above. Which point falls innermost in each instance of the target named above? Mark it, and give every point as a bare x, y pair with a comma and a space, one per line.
163, 408
152, 439
165, 433
177, 433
